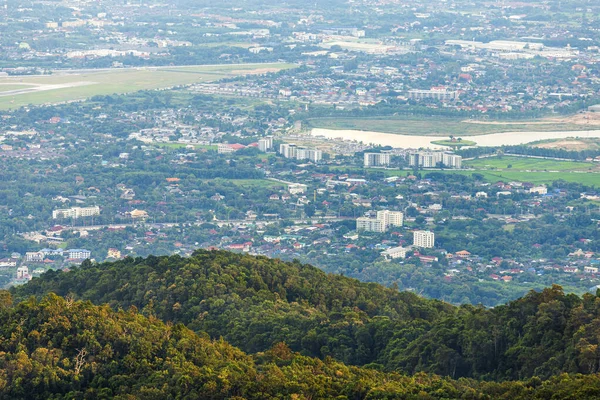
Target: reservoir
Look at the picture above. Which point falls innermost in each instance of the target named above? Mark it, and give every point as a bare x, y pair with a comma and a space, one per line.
416, 141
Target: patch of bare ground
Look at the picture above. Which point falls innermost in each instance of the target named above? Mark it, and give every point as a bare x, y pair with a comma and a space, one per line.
258, 71
582, 118
570, 144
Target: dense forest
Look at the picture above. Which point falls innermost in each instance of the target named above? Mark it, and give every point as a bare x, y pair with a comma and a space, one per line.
255, 303
58, 348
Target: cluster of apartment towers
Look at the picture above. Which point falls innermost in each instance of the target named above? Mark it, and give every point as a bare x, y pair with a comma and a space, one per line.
425, 159
290, 150
386, 219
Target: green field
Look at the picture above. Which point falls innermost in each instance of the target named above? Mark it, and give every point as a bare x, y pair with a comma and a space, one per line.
589, 178
9, 86
74, 85
528, 164
534, 170
585, 178
435, 126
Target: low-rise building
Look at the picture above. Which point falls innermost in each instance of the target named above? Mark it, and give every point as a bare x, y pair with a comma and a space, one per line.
76, 212
395, 252
78, 254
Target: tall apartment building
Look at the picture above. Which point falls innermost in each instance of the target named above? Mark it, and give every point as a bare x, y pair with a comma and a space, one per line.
452, 160
384, 220
314, 155
431, 159
76, 212
370, 225
265, 144
288, 150
424, 239
377, 159
391, 218
300, 153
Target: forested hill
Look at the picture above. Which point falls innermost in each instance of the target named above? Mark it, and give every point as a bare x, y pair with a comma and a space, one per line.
57, 348
255, 302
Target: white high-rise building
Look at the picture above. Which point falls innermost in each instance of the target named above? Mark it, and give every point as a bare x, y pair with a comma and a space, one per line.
452, 160
377, 159
431, 159
265, 144
391, 218
288, 150
384, 220
424, 239
370, 225
314, 155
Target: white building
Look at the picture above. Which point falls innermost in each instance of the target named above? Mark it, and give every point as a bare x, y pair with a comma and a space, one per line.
391, 218
265, 144
434, 93
431, 159
452, 160
424, 239
288, 150
377, 160
76, 212
23, 273
384, 220
370, 225
314, 155
297, 188
539, 190
34, 256
395, 252
79, 254
224, 148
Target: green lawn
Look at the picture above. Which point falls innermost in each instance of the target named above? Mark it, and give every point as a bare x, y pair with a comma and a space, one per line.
9, 86
528, 164
589, 178
434, 126
537, 177
86, 83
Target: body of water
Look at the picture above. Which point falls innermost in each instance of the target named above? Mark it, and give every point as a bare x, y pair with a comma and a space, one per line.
416, 141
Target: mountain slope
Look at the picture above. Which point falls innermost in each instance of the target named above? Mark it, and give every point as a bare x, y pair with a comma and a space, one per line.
63, 349
255, 302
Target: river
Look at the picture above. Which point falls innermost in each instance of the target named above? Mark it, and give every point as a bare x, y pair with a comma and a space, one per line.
416, 141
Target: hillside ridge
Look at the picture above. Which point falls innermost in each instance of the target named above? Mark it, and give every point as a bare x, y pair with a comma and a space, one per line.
256, 302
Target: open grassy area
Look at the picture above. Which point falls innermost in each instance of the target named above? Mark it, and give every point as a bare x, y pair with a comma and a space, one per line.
568, 174
507, 163
589, 178
74, 85
435, 126
585, 178
9, 86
